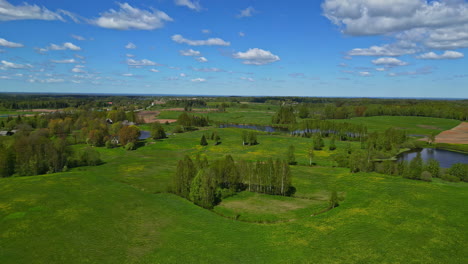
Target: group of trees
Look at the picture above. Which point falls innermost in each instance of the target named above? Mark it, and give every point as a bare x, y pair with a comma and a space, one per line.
187, 120
284, 115
249, 138
343, 130
36, 152
207, 183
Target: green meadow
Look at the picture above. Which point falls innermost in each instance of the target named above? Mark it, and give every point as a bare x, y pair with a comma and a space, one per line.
121, 212
412, 125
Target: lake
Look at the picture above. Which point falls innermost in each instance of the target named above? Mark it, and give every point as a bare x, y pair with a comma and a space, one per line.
446, 158
144, 134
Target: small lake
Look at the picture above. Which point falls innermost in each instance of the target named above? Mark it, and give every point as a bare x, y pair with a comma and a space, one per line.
446, 158
144, 134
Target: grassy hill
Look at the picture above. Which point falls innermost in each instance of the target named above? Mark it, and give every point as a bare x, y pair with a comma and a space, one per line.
120, 212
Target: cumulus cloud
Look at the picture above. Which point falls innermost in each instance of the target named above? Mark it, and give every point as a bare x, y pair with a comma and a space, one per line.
189, 52
209, 42
78, 37
447, 55
397, 49
26, 11
128, 17
9, 44
194, 5
11, 65
436, 24
198, 80
64, 46
207, 69
256, 56
64, 61
388, 61
421, 71
143, 62
248, 12
202, 59
365, 74
241, 34
127, 74
247, 79
154, 70
78, 69
130, 46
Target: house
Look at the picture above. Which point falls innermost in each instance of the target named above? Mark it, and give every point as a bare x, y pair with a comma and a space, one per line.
109, 121
128, 123
115, 141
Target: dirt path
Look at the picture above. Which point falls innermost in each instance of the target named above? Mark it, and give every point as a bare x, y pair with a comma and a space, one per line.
456, 135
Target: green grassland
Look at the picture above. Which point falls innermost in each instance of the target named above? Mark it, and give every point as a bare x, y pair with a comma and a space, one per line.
413, 125
120, 212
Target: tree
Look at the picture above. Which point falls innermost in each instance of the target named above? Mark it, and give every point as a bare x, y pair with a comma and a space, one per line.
416, 167
129, 134
217, 140
291, 158
203, 141
431, 138
433, 167
311, 155
332, 144
333, 201
426, 176
318, 142
157, 131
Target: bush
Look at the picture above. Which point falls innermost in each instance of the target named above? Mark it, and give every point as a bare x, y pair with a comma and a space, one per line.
178, 129
426, 176
130, 146
450, 178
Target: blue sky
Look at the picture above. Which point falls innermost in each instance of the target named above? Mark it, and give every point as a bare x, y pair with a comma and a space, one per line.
369, 48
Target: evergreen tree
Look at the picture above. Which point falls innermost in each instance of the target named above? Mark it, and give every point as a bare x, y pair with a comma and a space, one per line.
203, 141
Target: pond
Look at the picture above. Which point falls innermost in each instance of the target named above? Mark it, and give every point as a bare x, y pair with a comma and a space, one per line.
446, 158
144, 134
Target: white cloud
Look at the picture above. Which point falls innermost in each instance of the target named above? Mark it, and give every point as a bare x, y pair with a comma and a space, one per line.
206, 31
127, 74
247, 79
241, 34
10, 65
422, 71
64, 61
9, 44
194, 5
248, 12
78, 69
256, 57
209, 42
25, 11
130, 46
183, 75
202, 59
207, 69
446, 55
79, 57
189, 52
397, 49
143, 62
365, 74
198, 80
128, 17
387, 61
380, 69
52, 80
78, 37
154, 70
64, 46
130, 55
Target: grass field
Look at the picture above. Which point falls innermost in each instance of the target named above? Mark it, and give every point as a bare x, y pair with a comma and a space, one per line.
120, 212
413, 125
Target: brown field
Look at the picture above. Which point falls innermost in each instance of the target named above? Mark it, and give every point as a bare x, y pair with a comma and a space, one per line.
152, 116
456, 135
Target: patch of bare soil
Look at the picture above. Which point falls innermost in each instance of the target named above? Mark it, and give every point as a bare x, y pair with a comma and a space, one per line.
456, 135
152, 116
428, 127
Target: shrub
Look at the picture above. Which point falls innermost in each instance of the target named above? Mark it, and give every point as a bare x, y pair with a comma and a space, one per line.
130, 146
450, 178
426, 176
